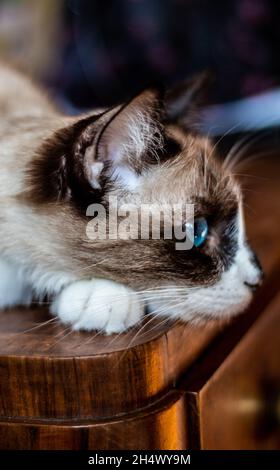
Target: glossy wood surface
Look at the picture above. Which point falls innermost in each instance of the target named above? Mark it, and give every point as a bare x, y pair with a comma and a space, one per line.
240, 405
161, 426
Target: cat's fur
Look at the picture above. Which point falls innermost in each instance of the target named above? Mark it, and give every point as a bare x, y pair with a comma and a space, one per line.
53, 166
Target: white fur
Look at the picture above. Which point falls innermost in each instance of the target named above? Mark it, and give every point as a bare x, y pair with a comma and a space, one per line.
136, 133
227, 297
49, 282
98, 305
143, 133
13, 287
96, 170
128, 178
18, 286
131, 134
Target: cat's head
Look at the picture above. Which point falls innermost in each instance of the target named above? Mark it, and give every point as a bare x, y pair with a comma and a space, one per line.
144, 152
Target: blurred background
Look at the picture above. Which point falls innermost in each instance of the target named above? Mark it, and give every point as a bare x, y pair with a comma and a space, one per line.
93, 53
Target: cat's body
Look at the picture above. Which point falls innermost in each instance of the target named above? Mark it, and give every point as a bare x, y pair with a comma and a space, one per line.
50, 171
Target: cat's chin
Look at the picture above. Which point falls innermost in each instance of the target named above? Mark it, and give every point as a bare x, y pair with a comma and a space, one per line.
199, 314
225, 314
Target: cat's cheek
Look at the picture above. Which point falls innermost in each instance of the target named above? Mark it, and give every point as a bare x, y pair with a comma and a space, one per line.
98, 305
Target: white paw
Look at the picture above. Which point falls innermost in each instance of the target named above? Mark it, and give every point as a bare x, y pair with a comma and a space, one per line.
98, 305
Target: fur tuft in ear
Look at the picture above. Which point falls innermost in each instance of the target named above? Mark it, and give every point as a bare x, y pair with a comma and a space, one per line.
133, 130
129, 140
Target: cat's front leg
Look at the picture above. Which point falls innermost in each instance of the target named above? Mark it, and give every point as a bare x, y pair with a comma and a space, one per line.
13, 288
98, 305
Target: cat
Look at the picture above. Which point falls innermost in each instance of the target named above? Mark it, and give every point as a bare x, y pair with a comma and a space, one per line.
143, 151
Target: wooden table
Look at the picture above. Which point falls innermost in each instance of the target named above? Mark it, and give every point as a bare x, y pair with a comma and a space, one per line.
163, 387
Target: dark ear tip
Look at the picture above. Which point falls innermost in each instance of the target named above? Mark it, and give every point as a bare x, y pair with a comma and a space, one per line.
153, 94
157, 88
206, 78
193, 84
187, 95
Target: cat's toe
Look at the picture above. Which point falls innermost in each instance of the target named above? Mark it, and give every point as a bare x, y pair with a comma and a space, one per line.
98, 305
125, 311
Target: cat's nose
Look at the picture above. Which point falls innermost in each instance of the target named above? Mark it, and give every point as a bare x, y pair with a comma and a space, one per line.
252, 287
256, 277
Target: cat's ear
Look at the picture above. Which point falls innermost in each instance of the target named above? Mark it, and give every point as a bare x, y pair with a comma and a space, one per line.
184, 98
127, 138
82, 160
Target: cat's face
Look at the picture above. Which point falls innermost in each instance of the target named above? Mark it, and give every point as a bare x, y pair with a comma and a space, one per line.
142, 153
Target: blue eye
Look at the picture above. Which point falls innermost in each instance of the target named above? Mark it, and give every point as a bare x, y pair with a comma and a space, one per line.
199, 230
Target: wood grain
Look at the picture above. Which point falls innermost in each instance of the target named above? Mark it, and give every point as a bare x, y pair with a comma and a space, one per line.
245, 391
73, 379
161, 426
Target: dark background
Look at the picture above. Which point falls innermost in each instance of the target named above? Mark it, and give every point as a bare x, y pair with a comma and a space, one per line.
111, 49
95, 53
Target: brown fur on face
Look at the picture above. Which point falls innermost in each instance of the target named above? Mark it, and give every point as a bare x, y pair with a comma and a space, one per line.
191, 176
